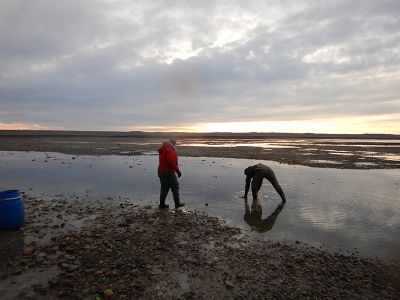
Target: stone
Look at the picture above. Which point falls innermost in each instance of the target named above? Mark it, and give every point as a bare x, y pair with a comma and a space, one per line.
28, 250
108, 292
229, 284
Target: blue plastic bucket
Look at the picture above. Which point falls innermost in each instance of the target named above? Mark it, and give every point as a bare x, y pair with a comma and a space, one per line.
11, 210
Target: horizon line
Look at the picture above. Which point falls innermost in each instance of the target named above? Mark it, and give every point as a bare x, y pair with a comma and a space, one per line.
190, 132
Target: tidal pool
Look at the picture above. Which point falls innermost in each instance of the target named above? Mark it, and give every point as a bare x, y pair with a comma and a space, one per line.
332, 208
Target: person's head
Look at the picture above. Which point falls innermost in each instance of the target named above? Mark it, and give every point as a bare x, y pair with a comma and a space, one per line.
173, 141
247, 171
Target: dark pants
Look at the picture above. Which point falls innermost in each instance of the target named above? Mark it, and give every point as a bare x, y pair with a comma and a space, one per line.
168, 181
257, 183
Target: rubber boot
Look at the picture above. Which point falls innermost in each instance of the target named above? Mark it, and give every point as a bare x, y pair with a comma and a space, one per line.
163, 196
175, 193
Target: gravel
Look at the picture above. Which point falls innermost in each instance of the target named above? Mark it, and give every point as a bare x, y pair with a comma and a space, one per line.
117, 250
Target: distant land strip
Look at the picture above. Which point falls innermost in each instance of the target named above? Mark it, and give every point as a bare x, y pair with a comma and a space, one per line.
220, 135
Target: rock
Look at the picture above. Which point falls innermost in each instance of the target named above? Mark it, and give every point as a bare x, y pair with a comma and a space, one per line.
190, 260
108, 292
229, 284
28, 250
66, 282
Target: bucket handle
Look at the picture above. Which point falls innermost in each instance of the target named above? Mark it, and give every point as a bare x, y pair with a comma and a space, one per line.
9, 199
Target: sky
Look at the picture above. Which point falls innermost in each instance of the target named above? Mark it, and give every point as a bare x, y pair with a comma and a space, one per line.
201, 66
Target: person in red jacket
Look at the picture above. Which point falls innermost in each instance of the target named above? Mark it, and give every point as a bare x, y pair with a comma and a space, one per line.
167, 167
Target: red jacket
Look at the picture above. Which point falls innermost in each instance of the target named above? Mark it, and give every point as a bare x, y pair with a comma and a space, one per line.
168, 159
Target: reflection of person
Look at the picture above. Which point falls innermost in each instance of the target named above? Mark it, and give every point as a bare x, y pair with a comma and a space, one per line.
255, 175
253, 216
168, 165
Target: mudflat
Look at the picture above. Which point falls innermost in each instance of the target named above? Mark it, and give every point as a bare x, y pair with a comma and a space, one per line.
314, 152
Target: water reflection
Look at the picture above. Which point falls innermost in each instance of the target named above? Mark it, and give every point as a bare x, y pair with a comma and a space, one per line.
253, 216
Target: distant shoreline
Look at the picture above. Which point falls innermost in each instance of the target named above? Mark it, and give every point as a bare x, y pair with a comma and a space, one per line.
144, 134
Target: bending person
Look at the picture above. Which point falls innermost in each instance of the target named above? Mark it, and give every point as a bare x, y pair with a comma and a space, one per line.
255, 175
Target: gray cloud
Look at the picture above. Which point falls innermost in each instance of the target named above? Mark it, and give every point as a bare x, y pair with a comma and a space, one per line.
111, 65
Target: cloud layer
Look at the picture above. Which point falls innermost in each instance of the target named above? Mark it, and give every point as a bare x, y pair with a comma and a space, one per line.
118, 65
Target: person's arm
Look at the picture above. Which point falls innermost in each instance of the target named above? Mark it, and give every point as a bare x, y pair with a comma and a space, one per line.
254, 190
247, 187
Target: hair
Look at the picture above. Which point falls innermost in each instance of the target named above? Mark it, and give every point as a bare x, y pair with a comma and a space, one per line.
169, 143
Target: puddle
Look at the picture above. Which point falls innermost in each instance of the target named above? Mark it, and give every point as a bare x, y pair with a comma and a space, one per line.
338, 152
378, 146
150, 153
261, 145
389, 157
322, 161
290, 143
70, 142
333, 208
137, 143
365, 164
386, 156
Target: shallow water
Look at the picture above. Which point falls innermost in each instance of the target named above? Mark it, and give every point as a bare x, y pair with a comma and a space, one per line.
355, 146
333, 208
289, 143
324, 161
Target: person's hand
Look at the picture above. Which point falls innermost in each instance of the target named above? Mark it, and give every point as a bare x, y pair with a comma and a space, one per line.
179, 173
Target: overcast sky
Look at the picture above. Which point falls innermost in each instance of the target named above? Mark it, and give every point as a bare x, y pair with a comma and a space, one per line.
321, 66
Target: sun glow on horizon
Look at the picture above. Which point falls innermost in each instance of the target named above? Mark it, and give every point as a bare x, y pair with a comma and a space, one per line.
359, 125
21, 126
355, 125
385, 124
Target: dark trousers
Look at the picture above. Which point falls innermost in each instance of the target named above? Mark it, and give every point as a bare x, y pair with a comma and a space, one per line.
257, 183
168, 181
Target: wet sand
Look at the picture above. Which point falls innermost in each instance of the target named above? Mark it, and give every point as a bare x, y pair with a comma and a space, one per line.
75, 250
344, 154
